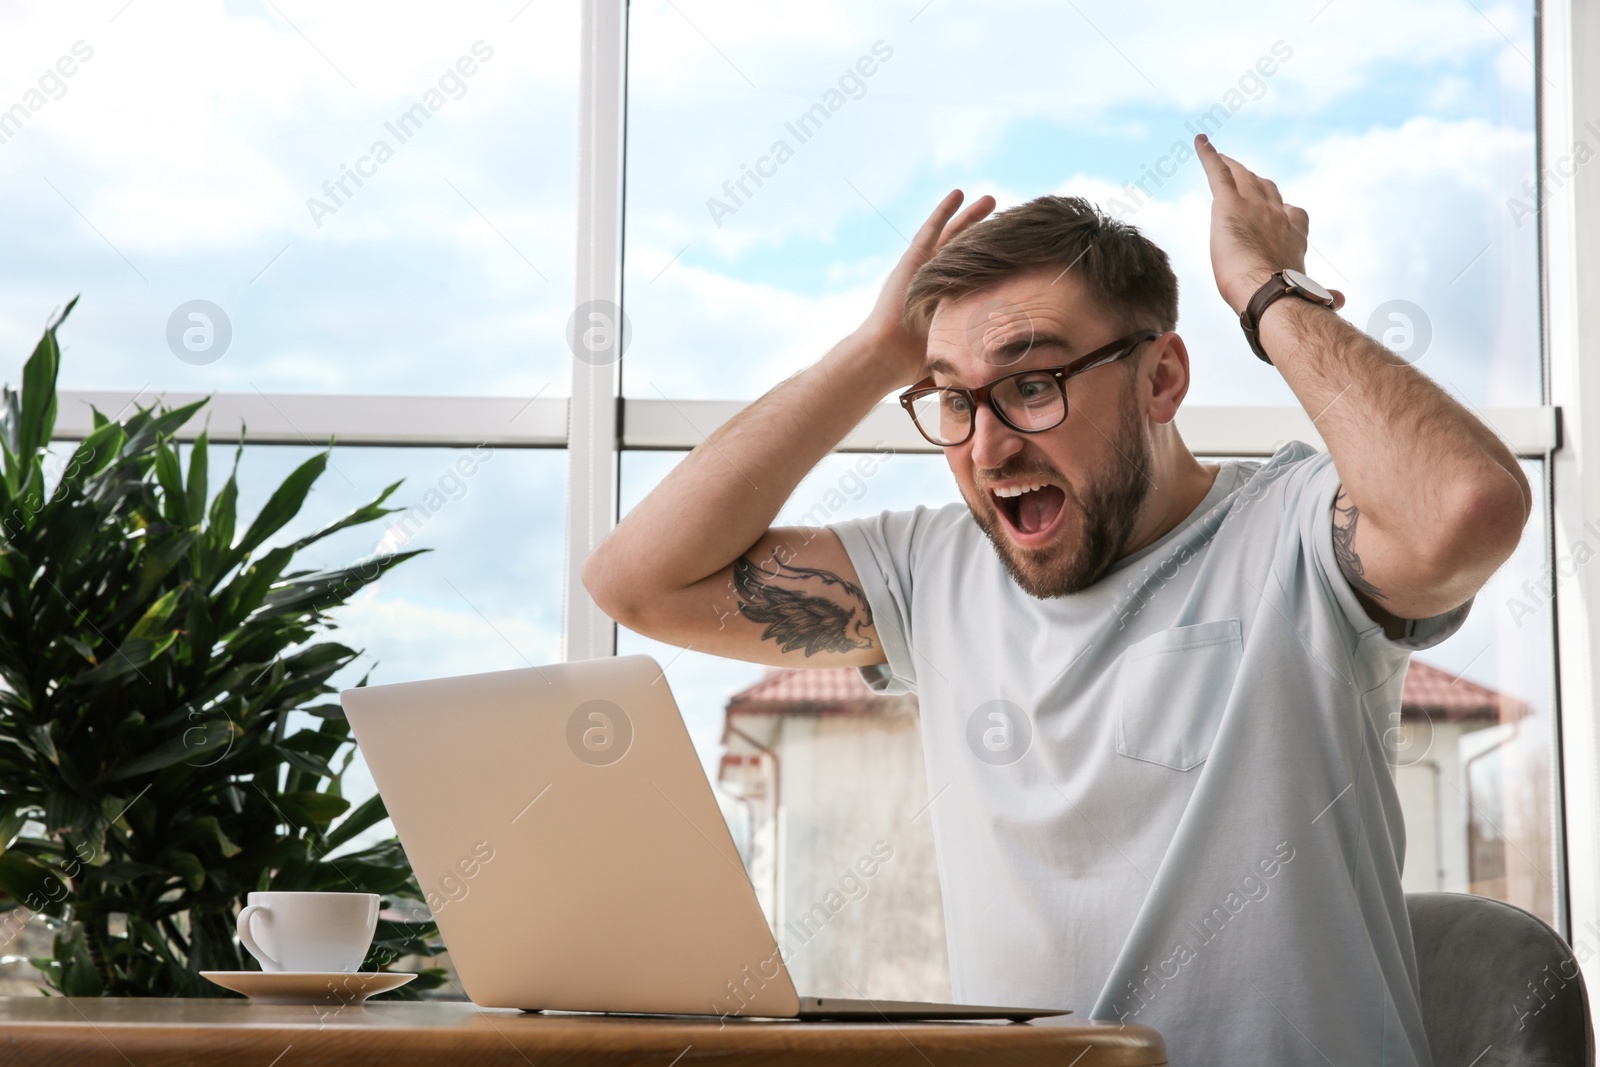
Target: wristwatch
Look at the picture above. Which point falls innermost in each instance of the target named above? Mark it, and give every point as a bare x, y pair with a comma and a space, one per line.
1280, 284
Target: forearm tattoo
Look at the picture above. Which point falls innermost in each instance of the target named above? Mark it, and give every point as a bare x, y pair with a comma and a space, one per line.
1344, 546
798, 619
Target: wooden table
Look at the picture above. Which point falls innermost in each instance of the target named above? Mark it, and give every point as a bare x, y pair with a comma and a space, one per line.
133, 1032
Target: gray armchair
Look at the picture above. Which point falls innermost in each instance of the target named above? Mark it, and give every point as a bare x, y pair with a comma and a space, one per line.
1499, 987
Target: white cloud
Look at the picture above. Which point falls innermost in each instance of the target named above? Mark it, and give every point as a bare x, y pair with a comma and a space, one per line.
194, 135
1010, 98
699, 332
181, 155
409, 639
1396, 212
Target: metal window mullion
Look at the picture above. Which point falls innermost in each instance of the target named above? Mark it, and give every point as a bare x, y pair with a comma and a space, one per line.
587, 633
654, 424
316, 418
1570, 237
1208, 430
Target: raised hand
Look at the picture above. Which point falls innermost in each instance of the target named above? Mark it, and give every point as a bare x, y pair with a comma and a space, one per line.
884, 330
1254, 234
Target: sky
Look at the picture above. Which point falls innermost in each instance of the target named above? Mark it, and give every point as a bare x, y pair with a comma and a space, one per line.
196, 151
1401, 128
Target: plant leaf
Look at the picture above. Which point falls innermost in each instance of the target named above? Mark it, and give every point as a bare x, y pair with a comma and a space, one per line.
368, 512
186, 865
285, 502
132, 654
319, 809
39, 392
325, 711
94, 453
305, 761
195, 493
27, 880
369, 813
155, 618
170, 475
199, 744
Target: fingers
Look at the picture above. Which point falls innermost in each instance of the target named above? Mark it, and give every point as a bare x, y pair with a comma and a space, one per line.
1218, 176
976, 211
1244, 177
938, 228
1338, 299
928, 236
1223, 172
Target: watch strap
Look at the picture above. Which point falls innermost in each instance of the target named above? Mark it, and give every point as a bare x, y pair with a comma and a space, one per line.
1250, 318
1274, 287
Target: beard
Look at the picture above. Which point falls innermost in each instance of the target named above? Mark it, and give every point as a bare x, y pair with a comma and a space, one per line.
1107, 509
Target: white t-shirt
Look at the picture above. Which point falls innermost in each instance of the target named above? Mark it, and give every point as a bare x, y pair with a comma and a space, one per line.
1164, 799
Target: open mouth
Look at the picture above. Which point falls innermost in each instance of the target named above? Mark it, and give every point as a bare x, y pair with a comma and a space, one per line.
1033, 515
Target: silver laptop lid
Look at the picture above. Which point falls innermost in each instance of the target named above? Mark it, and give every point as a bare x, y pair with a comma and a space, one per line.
569, 844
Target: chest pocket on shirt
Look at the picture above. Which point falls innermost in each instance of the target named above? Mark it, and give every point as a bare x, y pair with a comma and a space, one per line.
1173, 687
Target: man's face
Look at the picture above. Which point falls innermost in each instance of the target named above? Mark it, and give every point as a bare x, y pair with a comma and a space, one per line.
1095, 467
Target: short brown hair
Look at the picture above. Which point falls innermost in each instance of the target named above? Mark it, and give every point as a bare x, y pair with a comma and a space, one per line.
1117, 263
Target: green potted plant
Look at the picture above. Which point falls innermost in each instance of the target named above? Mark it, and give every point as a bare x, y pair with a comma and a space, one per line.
151, 655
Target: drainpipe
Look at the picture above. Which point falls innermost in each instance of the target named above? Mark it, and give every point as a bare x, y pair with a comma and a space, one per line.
777, 804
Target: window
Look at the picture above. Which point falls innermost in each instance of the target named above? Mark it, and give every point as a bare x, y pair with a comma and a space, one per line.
374, 224
1473, 751
365, 201
815, 782
777, 166
352, 224
775, 170
483, 596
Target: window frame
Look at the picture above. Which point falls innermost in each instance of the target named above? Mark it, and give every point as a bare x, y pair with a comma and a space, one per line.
1567, 62
1567, 68
596, 425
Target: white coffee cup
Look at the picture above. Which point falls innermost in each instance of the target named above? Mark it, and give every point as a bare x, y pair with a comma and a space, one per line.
309, 931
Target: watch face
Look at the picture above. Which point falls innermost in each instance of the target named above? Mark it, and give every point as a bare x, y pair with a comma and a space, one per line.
1300, 281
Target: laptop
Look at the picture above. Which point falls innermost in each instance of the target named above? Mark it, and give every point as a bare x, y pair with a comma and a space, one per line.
569, 845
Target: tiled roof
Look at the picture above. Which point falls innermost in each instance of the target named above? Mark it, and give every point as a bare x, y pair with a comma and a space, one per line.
1439, 695
1429, 693
818, 685
814, 691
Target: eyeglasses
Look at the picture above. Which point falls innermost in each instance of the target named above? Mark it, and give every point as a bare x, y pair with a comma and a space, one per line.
1029, 401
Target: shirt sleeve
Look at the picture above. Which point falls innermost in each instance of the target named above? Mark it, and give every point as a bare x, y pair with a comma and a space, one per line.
881, 549
1320, 488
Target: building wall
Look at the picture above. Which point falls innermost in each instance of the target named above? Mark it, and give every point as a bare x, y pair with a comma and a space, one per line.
1429, 776
858, 903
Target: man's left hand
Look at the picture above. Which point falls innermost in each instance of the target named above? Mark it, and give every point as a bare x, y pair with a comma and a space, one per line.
1254, 234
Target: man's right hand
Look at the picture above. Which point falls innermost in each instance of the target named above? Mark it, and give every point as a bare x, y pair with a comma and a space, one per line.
884, 332
698, 564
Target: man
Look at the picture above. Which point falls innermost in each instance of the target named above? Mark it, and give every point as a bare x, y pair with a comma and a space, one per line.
1153, 715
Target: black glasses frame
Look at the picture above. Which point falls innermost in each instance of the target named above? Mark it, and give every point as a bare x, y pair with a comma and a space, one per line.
1118, 349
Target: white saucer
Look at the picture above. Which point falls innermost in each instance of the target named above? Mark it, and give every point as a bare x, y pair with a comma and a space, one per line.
308, 987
